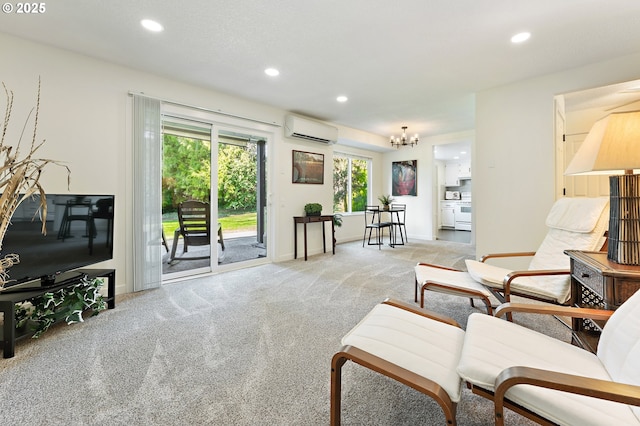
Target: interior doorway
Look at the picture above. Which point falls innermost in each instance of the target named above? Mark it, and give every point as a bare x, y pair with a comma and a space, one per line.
452, 195
196, 158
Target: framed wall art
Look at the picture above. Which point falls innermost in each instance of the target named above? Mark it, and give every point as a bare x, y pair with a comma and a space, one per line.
404, 176
308, 167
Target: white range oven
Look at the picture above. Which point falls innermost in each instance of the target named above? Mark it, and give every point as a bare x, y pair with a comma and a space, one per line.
463, 216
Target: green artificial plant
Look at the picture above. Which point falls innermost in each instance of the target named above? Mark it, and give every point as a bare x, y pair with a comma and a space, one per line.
66, 304
337, 220
386, 200
313, 209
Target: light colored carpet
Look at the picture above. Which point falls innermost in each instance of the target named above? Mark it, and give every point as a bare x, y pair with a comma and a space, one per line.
247, 347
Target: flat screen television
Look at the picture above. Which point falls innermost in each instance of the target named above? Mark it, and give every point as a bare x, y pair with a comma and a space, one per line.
79, 233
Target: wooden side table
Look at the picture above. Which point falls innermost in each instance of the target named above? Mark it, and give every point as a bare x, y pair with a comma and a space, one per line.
312, 219
597, 282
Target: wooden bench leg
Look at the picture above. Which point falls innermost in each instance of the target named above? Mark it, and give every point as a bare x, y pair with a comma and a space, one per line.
336, 388
463, 293
379, 365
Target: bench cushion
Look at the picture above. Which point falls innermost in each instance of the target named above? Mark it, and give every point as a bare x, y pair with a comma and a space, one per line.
423, 346
447, 277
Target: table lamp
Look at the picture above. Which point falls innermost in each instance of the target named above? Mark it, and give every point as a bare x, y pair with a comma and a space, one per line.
613, 147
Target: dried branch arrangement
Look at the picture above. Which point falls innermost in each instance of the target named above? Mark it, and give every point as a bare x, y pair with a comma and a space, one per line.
19, 177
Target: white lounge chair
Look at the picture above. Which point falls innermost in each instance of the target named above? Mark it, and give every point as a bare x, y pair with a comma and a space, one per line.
542, 378
574, 224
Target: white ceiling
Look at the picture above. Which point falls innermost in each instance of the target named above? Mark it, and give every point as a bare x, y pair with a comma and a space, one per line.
455, 151
411, 62
604, 99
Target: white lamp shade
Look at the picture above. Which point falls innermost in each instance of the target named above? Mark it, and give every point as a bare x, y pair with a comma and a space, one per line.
612, 146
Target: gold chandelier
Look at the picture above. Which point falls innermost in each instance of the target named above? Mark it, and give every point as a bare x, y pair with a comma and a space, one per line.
403, 140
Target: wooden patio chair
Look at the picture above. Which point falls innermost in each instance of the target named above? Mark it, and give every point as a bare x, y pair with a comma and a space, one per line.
194, 228
495, 358
574, 224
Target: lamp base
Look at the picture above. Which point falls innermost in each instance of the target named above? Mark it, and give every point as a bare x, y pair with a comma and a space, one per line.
624, 219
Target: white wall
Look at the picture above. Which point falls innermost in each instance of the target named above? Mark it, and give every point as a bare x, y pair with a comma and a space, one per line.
514, 152
85, 117
418, 219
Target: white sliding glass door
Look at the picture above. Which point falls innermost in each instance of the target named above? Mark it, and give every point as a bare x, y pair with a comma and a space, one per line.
225, 168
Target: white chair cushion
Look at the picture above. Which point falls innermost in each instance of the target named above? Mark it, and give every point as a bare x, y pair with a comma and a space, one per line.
550, 254
579, 214
554, 288
619, 345
487, 274
492, 344
426, 347
450, 278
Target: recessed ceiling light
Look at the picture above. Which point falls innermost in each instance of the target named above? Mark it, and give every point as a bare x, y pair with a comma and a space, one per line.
272, 72
151, 25
520, 37
342, 98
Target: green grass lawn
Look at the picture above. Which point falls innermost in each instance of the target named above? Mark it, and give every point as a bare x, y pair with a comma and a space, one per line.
230, 222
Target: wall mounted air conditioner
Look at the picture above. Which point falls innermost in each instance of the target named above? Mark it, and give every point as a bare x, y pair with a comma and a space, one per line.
303, 128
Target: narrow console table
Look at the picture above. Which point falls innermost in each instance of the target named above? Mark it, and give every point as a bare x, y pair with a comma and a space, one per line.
23, 292
312, 219
597, 282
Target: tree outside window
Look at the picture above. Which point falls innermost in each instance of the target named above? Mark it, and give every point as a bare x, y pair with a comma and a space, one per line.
350, 183
187, 173
186, 170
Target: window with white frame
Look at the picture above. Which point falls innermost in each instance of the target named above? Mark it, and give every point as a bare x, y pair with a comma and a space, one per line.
350, 182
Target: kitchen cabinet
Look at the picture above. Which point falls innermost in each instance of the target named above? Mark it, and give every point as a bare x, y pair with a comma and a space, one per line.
464, 171
453, 172
448, 215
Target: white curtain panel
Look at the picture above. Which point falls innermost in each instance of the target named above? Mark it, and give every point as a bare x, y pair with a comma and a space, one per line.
147, 193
